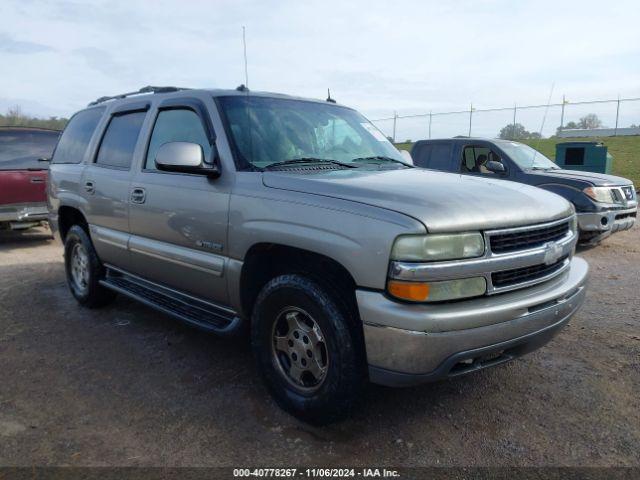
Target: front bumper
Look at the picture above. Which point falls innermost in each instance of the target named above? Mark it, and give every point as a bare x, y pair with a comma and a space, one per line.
595, 226
409, 344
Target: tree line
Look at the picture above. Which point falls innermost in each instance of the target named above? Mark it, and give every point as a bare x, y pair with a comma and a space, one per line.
517, 131
15, 117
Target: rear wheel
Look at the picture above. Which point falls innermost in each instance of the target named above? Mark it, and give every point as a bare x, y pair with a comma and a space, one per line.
307, 349
84, 270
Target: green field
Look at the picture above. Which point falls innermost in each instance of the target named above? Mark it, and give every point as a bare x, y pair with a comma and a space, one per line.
625, 152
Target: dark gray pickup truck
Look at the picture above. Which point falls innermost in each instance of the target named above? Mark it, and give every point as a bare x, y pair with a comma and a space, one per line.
604, 203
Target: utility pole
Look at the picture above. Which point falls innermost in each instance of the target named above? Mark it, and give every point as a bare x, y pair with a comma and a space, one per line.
513, 132
395, 118
470, 117
430, 117
564, 101
615, 131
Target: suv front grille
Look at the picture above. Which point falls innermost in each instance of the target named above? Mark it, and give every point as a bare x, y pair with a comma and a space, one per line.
526, 274
527, 239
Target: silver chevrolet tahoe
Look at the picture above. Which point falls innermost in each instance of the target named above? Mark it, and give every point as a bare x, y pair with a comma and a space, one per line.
298, 222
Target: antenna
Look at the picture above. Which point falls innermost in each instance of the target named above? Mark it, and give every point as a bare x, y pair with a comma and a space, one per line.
544, 118
244, 45
329, 99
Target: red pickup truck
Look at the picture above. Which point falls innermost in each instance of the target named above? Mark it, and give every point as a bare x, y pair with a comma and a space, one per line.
24, 154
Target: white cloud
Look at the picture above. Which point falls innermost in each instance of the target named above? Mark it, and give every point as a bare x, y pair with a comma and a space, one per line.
412, 56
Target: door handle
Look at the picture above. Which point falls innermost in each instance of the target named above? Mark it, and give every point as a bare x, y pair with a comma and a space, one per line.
138, 195
89, 186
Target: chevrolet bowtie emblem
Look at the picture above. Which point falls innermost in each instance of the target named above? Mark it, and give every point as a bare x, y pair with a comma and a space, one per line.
552, 253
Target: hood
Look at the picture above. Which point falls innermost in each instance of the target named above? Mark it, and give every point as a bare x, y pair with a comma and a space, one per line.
587, 179
443, 202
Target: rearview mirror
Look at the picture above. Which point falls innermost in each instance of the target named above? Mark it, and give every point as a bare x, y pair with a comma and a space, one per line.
495, 167
184, 157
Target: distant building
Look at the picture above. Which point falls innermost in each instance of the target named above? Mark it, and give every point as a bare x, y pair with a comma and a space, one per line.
597, 132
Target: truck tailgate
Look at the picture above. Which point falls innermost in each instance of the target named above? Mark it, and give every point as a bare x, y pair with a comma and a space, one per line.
22, 186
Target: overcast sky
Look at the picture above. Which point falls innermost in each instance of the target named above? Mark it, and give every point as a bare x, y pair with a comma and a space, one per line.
376, 56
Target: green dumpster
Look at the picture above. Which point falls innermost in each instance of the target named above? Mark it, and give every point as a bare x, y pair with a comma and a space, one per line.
587, 156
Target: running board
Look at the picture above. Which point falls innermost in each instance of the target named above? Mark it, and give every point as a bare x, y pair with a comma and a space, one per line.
191, 310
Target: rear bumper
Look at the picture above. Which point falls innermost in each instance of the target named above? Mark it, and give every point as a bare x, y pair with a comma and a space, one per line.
412, 344
23, 213
599, 225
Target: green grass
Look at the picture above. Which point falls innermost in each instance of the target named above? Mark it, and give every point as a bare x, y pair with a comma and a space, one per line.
625, 152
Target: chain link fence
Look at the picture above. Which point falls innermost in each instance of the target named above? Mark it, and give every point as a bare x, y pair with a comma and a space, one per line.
543, 120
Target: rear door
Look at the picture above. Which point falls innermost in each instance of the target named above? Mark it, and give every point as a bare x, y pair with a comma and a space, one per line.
178, 220
106, 181
22, 175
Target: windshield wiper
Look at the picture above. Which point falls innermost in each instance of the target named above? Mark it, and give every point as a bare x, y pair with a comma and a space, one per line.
306, 160
381, 158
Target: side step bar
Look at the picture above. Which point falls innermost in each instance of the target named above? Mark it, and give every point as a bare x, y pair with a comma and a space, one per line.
191, 310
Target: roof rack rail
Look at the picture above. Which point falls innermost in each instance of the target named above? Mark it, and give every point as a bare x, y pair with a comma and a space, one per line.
147, 89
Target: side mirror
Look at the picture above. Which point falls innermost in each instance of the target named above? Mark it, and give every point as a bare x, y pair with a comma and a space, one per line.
184, 157
495, 167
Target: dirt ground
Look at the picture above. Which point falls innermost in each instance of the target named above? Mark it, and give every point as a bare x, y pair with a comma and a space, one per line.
128, 386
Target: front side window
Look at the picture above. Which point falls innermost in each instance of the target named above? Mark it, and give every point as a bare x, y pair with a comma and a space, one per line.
119, 141
177, 125
475, 158
20, 148
76, 136
268, 130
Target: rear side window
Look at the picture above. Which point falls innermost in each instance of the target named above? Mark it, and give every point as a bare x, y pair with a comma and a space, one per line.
177, 125
433, 155
21, 148
440, 156
119, 141
76, 136
421, 155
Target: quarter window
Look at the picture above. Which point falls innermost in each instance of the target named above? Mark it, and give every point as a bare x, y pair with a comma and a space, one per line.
76, 136
119, 141
177, 125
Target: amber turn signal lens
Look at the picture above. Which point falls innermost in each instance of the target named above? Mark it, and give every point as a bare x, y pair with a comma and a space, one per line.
412, 291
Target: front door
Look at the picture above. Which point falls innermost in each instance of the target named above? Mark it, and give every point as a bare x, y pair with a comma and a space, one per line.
179, 221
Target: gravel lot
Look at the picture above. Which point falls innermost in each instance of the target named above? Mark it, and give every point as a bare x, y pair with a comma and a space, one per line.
128, 386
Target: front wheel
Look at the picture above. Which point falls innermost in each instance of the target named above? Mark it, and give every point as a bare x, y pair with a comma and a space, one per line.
84, 270
308, 349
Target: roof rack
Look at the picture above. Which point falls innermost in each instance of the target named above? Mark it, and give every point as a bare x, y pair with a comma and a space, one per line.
147, 89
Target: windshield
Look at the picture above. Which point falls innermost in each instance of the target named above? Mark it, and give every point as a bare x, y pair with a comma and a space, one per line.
20, 149
267, 131
527, 157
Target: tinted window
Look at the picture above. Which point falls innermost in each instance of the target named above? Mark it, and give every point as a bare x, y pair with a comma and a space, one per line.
421, 155
76, 136
440, 156
21, 148
180, 125
119, 141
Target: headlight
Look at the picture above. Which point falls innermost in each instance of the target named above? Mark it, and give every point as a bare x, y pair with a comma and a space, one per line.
573, 224
437, 291
427, 248
600, 194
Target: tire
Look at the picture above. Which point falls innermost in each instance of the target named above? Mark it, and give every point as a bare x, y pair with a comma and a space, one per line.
84, 270
333, 374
